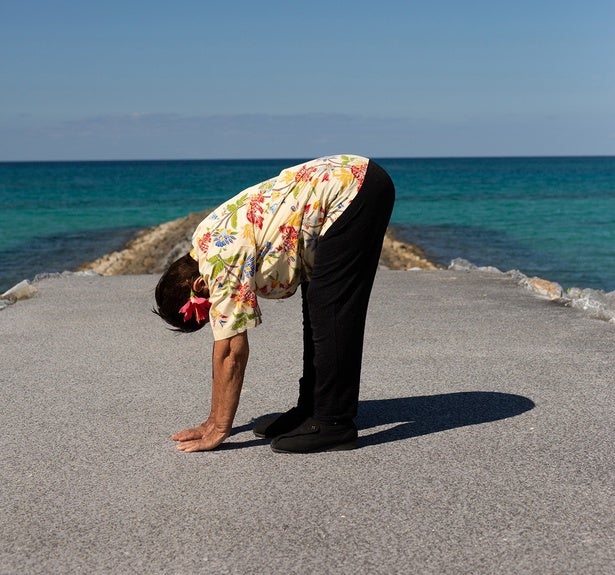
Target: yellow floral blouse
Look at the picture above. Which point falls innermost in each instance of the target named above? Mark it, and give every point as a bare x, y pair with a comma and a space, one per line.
262, 241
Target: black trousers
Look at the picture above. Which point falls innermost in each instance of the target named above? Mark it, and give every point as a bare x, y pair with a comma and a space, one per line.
336, 299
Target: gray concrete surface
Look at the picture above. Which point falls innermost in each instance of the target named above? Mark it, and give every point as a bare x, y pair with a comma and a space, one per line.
486, 439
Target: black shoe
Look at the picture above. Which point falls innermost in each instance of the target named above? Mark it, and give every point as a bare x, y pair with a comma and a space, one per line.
313, 435
279, 424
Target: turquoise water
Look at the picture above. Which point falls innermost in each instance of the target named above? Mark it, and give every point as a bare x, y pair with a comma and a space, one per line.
551, 217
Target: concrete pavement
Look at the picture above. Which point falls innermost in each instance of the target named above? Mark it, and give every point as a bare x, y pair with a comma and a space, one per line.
486, 439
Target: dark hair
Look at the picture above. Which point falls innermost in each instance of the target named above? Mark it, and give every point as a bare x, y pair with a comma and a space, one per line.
173, 291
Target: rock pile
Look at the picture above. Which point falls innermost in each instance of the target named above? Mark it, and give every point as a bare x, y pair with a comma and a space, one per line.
153, 249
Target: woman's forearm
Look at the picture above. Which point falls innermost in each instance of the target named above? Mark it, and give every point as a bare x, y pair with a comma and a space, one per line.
230, 357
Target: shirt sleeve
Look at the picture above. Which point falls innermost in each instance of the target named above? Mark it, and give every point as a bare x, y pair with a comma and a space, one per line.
234, 306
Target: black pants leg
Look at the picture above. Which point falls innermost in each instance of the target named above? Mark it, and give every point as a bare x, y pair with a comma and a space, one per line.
336, 299
308, 380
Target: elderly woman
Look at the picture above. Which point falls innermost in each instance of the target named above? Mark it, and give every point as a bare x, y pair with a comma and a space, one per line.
318, 225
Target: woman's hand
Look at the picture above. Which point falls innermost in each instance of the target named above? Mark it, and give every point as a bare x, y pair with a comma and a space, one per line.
202, 438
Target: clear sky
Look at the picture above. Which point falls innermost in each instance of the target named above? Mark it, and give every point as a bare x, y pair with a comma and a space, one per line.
151, 79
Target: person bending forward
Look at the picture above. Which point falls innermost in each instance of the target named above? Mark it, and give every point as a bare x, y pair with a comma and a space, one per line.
318, 226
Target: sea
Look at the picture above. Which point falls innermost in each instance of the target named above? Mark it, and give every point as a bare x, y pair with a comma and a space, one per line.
551, 217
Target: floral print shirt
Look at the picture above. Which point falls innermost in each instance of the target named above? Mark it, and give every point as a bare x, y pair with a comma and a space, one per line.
262, 241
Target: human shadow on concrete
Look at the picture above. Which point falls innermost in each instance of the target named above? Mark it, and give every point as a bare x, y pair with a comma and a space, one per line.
414, 416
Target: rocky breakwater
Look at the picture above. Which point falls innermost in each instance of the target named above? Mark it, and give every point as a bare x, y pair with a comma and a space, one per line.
153, 249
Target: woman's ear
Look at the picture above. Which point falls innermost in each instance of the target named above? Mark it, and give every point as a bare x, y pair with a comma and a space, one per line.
198, 285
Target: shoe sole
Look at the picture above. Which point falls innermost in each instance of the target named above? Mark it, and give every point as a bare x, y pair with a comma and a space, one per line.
341, 447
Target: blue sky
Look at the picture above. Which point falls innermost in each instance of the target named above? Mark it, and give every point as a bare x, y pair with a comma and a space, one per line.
251, 79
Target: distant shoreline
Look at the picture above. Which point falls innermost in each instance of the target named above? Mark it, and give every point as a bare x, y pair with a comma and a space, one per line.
151, 250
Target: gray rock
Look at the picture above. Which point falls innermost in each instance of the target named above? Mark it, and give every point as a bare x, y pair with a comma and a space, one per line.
23, 290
